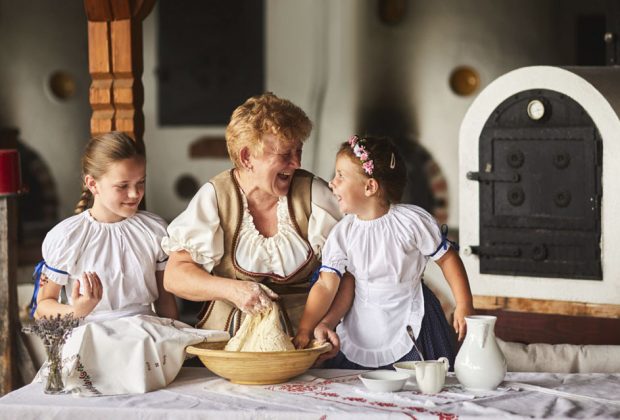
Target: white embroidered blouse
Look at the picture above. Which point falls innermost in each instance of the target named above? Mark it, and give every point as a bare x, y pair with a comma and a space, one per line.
197, 230
125, 255
387, 256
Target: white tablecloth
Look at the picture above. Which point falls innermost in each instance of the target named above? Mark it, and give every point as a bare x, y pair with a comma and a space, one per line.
330, 394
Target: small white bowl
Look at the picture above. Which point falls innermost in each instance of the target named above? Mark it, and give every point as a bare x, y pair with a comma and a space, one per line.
384, 380
406, 367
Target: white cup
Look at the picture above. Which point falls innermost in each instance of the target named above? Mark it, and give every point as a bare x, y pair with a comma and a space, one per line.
431, 374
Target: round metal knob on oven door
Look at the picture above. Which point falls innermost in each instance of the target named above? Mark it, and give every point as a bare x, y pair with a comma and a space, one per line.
562, 198
561, 160
515, 158
516, 196
539, 252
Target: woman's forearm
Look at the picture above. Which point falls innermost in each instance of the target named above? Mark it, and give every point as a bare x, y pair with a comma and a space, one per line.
166, 304
188, 280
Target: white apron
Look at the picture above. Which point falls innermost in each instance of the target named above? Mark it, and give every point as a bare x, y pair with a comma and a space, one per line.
127, 355
374, 331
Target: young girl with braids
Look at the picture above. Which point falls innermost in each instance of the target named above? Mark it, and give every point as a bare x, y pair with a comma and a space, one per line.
110, 260
387, 309
108, 256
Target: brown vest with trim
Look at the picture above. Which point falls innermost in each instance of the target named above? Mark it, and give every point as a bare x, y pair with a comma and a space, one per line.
293, 289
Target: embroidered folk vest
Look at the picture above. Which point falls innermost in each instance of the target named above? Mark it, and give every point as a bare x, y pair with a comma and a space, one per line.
293, 289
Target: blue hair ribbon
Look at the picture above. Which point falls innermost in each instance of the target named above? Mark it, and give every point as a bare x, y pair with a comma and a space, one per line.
315, 275
36, 276
445, 241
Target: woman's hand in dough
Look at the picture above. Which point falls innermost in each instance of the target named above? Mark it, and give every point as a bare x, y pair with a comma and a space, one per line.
251, 298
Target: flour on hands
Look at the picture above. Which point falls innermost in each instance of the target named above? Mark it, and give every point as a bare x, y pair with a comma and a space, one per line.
261, 332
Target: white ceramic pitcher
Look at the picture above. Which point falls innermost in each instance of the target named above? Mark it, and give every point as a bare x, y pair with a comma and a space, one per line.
480, 364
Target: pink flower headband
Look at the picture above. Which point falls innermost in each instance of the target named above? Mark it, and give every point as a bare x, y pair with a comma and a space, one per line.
360, 151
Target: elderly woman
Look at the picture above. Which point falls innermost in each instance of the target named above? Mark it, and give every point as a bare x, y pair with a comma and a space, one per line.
264, 221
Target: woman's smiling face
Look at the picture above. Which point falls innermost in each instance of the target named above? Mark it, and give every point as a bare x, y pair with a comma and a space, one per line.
349, 185
273, 169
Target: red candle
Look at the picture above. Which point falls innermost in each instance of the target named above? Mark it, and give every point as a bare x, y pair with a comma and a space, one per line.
10, 176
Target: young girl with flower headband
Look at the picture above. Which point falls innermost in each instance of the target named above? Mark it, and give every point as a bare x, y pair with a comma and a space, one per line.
389, 314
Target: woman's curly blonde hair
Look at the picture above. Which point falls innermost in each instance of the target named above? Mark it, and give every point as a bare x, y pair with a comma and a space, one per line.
264, 114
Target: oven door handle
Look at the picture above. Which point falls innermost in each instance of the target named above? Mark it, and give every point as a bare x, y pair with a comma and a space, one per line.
493, 177
493, 251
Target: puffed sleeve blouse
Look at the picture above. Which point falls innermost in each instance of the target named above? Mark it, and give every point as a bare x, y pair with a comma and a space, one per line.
197, 230
400, 242
125, 255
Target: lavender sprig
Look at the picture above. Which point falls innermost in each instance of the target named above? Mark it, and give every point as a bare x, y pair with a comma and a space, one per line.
53, 330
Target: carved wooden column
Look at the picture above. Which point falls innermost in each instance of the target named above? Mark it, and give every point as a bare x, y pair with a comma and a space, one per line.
115, 64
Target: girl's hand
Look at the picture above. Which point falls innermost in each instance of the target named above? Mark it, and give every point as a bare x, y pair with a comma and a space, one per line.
460, 312
323, 333
251, 298
83, 304
302, 339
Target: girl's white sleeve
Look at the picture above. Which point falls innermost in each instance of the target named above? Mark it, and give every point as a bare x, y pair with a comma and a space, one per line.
59, 250
335, 250
325, 215
197, 230
424, 231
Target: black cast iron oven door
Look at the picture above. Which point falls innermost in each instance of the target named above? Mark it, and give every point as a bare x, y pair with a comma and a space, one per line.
540, 189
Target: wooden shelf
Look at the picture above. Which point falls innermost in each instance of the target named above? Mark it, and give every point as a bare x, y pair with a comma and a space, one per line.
551, 321
543, 306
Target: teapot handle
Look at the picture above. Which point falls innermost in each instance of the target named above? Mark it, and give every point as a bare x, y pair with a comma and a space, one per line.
445, 361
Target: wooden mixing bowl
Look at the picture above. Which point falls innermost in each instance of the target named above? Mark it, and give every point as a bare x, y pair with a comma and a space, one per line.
257, 368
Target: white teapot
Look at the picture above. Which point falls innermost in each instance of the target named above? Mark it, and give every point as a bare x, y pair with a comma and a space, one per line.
431, 374
480, 364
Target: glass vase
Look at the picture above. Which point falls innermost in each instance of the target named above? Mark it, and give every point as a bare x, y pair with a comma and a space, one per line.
54, 383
